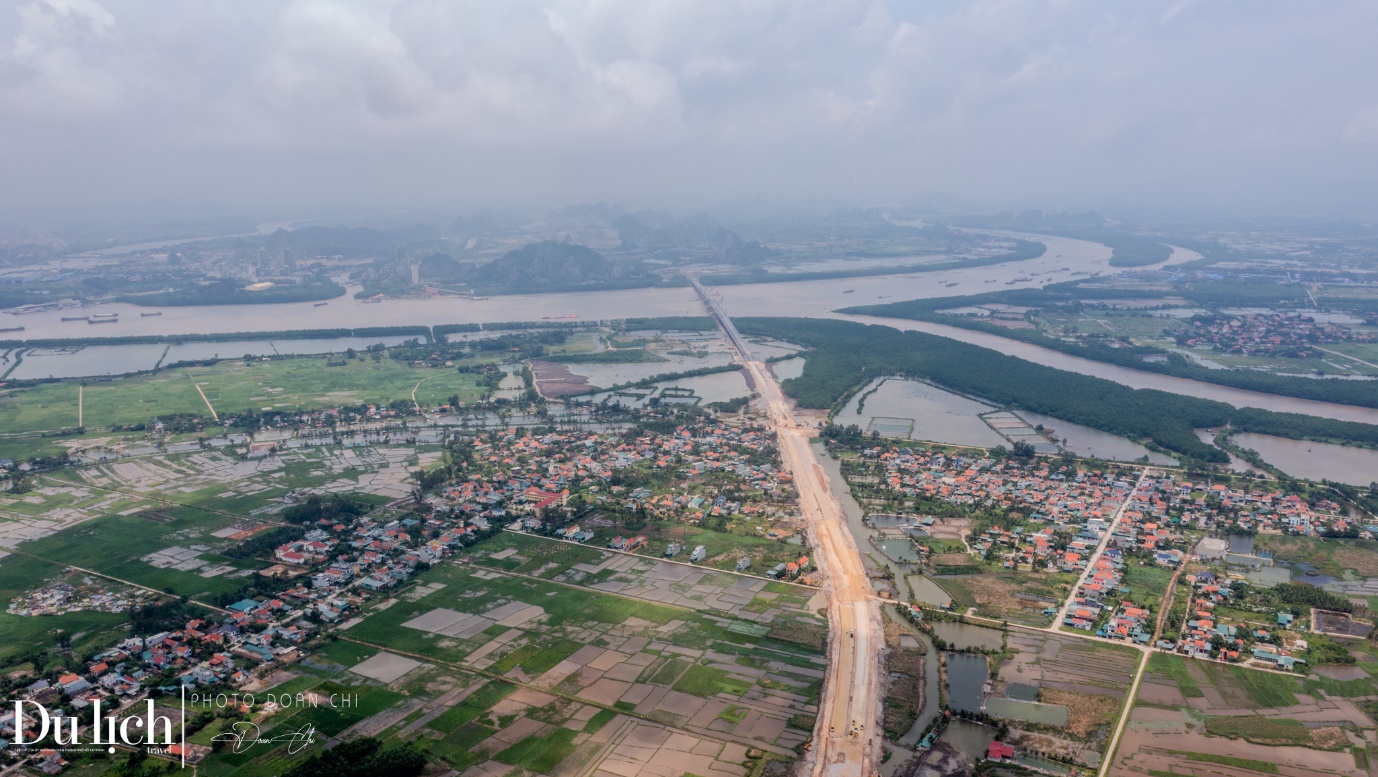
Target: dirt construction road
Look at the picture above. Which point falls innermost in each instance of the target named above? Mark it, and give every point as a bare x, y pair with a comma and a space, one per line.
847, 737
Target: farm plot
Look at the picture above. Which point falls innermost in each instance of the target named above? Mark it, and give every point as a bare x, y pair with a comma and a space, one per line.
669, 664
1020, 597
652, 580
136, 548
495, 729
1072, 689
1069, 664
1198, 716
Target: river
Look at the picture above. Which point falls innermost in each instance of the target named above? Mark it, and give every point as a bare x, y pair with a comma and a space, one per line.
1314, 460
803, 298
797, 298
1127, 376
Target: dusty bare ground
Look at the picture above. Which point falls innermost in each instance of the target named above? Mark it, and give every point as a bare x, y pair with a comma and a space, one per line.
1329, 737
991, 594
904, 694
949, 528
554, 379
1086, 711
1153, 742
951, 559
1046, 745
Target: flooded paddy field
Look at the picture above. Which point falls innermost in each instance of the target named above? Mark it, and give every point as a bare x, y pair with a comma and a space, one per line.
1064, 663
698, 390
1237, 721
616, 374
910, 409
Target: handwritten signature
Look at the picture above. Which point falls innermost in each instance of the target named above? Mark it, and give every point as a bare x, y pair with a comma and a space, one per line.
244, 735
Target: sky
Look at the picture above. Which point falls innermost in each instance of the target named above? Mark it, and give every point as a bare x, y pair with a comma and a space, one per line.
1061, 104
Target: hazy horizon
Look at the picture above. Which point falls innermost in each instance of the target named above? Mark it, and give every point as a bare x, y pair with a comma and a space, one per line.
320, 106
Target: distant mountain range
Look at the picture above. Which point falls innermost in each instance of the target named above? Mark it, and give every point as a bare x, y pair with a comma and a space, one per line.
697, 235
544, 266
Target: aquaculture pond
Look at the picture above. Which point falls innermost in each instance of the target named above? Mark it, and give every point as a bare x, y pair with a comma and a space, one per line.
966, 679
1028, 711
966, 635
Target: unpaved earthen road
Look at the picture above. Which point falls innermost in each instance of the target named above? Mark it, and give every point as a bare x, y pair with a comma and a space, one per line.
847, 736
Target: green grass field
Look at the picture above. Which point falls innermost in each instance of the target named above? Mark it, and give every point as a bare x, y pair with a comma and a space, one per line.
1265, 689
115, 544
1147, 584
1174, 668
231, 386
1261, 731
708, 681
1267, 767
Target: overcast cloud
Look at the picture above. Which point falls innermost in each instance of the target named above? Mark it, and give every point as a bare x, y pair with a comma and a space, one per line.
447, 102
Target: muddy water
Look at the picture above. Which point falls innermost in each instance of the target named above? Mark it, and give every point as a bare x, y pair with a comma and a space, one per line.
966, 676
924, 591
1129, 377
88, 361
789, 368
970, 740
1236, 464
804, 298
895, 407
1314, 460
966, 635
1085, 441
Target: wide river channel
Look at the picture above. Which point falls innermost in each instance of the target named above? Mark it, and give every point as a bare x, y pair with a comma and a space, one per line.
819, 299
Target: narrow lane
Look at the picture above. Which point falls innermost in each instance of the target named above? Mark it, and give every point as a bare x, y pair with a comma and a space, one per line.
1100, 550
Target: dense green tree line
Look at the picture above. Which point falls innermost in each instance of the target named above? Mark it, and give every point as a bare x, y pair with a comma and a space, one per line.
685, 323
318, 506
441, 330
159, 616
1303, 595
263, 542
847, 354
